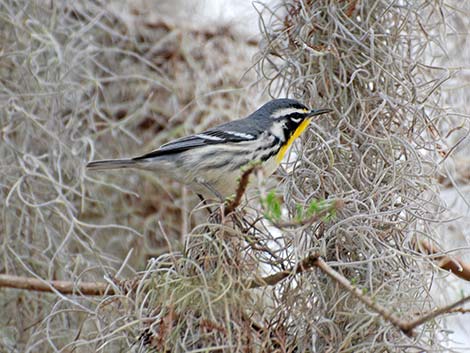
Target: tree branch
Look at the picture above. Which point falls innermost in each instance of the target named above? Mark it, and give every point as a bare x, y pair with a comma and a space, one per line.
405, 326
342, 281
314, 260
64, 287
410, 325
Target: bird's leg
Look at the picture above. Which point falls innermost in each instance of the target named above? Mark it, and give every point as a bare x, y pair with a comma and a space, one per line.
210, 188
204, 202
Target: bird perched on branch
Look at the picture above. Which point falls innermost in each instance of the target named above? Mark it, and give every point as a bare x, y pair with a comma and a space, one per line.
212, 161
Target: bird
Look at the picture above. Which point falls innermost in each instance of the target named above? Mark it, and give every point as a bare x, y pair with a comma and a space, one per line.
211, 162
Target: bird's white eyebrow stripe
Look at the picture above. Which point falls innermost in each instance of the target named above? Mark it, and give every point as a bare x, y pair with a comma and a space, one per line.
286, 111
209, 137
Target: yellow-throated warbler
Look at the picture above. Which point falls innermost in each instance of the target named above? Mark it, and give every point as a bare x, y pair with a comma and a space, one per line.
212, 161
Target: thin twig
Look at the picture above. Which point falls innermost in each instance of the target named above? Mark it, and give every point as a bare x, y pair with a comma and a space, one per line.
452, 264
459, 311
410, 325
342, 281
405, 326
242, 185
64, 287
272, 280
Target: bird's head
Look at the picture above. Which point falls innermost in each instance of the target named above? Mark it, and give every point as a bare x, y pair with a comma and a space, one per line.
288, 117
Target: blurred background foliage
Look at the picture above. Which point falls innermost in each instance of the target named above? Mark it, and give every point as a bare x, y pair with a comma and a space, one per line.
88, 80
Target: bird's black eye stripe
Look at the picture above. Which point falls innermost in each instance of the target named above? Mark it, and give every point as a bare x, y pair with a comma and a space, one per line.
292, 121
296, 117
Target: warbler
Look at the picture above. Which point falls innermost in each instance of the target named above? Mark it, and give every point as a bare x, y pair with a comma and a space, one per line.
211, 162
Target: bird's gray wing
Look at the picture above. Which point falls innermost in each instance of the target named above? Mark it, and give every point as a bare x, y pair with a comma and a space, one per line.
222, 134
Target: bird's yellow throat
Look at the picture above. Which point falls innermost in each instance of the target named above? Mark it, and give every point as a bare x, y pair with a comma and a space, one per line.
297, 133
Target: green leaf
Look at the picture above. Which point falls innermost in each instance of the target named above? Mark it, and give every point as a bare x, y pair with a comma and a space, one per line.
299, 212
272, 205
313, 208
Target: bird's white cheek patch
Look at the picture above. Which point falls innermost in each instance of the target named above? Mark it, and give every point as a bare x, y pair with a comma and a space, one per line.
278, 130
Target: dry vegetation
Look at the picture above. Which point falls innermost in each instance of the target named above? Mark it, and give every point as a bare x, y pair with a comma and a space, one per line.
339, 258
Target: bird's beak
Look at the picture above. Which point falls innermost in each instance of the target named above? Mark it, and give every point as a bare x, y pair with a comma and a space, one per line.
314, 112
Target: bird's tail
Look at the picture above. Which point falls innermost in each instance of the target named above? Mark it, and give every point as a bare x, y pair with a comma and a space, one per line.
111, 164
